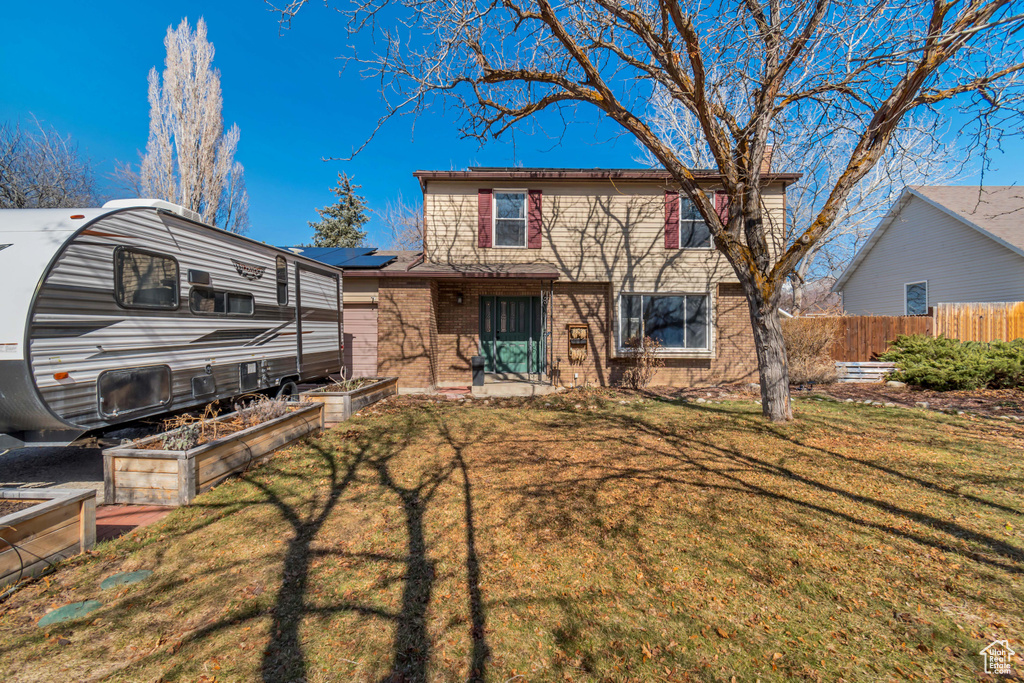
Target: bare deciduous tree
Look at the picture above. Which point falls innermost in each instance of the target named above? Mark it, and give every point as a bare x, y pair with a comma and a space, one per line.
40, 169
743, 68
819, 149
189, 159
403, 222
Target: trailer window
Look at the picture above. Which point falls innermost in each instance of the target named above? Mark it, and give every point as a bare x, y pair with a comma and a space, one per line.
130, 390
204, 301
282, 281
145, 280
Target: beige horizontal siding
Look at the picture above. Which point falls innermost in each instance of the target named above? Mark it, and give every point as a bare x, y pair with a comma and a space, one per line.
360, 290
592, 232
924, 243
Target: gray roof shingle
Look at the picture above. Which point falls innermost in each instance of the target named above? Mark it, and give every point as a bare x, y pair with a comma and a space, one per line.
998, 210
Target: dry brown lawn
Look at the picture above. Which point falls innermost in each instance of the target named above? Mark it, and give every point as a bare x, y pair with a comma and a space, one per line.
573, 538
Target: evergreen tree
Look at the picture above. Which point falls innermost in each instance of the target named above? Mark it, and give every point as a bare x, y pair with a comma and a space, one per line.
340, 222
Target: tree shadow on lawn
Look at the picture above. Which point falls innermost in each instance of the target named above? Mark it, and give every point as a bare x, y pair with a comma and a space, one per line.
370, 456
691, 457
375, 451
678, 454
686, 456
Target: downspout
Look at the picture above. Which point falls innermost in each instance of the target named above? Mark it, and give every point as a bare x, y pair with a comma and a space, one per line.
550, 331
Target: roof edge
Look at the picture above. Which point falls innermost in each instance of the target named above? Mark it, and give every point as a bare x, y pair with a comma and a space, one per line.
566, 174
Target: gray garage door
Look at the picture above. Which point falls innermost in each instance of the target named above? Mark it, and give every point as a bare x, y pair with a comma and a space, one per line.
360, 339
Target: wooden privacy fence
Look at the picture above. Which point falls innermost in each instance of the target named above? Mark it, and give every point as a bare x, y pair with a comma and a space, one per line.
863, 337
979, 321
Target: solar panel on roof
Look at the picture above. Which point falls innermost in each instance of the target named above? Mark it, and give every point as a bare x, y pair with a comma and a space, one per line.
368, 262
332, 256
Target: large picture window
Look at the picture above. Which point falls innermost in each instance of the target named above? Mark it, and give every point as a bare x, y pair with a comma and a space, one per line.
677, 321
693, 231
917, 298
145, 280
204, 301
510, 219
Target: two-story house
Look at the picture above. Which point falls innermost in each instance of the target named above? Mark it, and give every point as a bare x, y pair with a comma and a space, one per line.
547, 273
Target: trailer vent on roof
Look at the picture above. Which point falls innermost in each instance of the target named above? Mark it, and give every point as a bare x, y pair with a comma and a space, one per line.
158, 204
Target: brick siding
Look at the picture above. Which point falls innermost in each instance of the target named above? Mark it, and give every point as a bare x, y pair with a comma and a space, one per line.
427, 338
405, 320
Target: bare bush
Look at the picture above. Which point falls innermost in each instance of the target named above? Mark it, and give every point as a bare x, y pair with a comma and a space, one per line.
642, 362
262, 409
809, 348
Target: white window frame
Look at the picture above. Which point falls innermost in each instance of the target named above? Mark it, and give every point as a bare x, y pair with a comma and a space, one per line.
706, 352
906, 300
494, 218
711, 241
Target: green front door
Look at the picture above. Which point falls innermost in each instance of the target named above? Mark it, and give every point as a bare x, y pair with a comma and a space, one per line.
511, 333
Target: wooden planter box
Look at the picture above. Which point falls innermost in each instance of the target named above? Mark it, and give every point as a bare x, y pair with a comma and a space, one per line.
339, 405
61, 525
142, 476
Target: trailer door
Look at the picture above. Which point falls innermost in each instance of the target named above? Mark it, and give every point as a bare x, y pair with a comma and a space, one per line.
318, 311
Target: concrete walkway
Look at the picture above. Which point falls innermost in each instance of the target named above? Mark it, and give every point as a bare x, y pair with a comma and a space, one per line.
66, 467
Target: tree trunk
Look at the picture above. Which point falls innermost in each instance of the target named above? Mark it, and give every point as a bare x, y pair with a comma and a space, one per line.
772, 365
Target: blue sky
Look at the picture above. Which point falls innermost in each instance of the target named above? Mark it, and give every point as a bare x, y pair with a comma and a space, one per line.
81, 67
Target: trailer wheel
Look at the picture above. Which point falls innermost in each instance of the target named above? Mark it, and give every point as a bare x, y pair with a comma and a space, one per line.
286, 390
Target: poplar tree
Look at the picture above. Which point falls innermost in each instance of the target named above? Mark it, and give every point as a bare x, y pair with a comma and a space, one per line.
190, 159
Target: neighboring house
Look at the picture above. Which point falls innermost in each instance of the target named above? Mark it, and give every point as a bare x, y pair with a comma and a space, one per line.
518, 260
941, 244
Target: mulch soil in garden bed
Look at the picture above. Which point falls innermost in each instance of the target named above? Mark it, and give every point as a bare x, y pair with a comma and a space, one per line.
8, 507
211, 430
991, 402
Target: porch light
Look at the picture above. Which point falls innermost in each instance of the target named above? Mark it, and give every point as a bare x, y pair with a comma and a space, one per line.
458, 298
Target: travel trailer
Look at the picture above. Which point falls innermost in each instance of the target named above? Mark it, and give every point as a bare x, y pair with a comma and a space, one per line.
137, 309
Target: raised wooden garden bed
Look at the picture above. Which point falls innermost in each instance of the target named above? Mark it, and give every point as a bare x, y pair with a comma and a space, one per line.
136, 473
62, 523
339, 405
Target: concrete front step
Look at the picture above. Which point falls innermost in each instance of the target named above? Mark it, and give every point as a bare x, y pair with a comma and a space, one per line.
514, 388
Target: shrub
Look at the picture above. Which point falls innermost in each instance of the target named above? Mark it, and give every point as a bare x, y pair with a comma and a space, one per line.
949, 364
642, 361
809, 348
183, 438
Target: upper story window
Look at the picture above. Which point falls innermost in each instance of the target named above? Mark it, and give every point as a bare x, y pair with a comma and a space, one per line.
693, 231
282, 281
510, 218
144, 279
206, 301
916, 294
677, 321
